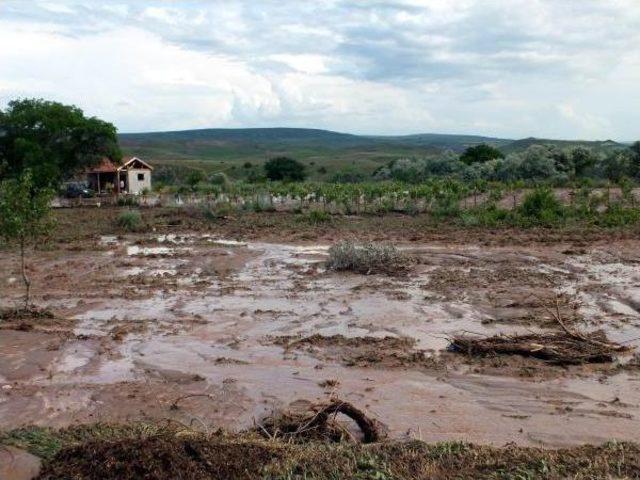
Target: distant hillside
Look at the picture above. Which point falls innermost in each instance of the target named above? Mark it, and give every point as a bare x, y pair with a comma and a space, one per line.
520, 145
324, 151
457, 143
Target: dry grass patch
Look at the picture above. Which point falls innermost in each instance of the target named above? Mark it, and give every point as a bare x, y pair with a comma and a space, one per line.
368, 258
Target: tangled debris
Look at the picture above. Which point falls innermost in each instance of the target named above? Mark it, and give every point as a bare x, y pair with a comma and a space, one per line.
386, 352
321, 424
368, 258
560, 348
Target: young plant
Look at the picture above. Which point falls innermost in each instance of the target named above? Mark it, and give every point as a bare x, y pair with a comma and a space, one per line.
130, 220
25, 216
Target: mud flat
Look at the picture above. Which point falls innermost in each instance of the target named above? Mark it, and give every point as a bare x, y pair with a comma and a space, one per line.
239, 329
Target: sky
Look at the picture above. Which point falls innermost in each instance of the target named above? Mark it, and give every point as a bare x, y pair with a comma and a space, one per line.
507, 68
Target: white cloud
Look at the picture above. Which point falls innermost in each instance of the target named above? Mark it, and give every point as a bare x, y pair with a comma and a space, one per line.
502, 67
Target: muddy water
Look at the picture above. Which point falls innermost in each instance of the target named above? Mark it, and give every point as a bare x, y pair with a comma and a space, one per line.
197, 316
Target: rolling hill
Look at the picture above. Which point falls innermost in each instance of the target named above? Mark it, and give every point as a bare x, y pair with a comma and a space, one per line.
229, 149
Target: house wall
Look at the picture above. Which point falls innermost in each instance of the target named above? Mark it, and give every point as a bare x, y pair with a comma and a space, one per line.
136, 186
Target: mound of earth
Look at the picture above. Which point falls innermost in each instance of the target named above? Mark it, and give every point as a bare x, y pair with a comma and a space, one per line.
382, 352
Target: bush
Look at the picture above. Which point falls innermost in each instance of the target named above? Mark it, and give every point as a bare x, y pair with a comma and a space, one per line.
316, 217
218, 211
480, 154
130, 220
284, 168
348, 175
127, 201
219, 179
367, 258
541, 204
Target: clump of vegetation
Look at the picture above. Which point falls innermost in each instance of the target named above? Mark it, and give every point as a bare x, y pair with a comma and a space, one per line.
541, 204
219, 178
368, 258
130, 220
480, 154
285, 168
316, 217
218, 211
127, 201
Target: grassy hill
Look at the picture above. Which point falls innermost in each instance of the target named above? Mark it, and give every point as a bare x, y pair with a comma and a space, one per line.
229, 150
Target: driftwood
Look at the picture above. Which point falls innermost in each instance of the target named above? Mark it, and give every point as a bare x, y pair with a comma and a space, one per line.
321, 425
561, 348
368, 426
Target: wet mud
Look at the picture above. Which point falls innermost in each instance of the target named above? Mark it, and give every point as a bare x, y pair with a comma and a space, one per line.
237, 330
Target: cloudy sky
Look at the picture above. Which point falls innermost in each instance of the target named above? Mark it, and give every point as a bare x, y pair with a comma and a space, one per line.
511, 68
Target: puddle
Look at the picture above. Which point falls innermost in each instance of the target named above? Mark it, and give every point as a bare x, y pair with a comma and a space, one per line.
134, 250
209, 328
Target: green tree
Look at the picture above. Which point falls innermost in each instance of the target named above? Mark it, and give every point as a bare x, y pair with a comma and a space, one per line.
582, 159
616, 165
194, 178
24, 218
480, 154
284, 168
635, 158
52, 140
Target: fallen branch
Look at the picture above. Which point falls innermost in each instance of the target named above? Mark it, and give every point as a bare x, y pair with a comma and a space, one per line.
559, 348
321, 425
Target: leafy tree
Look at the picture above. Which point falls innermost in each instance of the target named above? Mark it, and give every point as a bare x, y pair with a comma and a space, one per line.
582, 159
480, 154
52, 140
24, 217
537, 163
635, 158
616, 165
284, 168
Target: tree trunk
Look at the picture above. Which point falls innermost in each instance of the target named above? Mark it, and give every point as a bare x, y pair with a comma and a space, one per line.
25, 278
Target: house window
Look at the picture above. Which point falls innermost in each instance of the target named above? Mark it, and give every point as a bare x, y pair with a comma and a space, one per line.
141, 177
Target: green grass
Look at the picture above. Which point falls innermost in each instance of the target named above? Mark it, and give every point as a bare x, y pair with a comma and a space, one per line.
141, 450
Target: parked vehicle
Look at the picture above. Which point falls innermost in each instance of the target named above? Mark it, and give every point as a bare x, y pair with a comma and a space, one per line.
77, 190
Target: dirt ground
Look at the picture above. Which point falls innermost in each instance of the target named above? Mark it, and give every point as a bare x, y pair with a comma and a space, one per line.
219, 324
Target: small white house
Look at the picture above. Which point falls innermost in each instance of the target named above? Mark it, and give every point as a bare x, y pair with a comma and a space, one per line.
133, 176
138, 176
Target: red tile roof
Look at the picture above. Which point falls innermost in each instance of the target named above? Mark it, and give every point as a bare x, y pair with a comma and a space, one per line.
105, 166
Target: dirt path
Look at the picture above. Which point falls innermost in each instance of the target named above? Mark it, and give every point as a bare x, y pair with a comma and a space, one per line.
251, 327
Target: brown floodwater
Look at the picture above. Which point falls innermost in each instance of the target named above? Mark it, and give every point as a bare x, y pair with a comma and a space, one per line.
157, 319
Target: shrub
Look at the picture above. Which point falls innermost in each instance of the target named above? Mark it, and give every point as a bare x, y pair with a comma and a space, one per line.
348, 175
316, 217
541, 204
218, 211
127, 201
480, 154
130, 220
219, 179
284, 168
367, 258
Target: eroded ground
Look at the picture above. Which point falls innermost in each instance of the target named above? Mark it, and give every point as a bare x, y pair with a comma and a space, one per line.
216, 332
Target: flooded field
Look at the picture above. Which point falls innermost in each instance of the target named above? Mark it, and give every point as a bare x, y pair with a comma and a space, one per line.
215, 332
